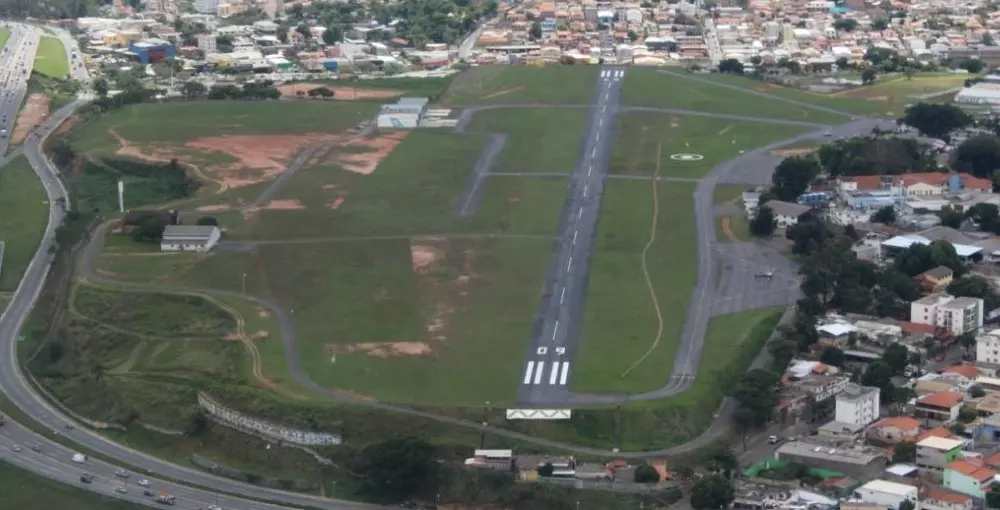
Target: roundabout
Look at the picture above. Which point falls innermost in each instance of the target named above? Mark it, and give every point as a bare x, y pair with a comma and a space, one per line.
687, 157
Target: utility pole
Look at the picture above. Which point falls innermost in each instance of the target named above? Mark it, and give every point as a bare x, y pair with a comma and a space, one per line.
618, 427
244, 283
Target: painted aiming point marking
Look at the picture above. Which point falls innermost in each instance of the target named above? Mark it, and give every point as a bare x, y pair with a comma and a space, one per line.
687, 157
542, 351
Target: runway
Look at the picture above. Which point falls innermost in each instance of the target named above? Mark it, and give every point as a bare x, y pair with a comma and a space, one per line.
548, 370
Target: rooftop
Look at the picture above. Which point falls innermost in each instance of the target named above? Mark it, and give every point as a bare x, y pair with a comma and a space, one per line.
905, 241
856, 455
856, 392
940, 443
898, 489
947, 496
965, 370
972, 468
781, 208
899, 422
189, 231
941, 399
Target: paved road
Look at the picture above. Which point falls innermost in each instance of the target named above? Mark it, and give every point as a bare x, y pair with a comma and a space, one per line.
548, 369
15, 66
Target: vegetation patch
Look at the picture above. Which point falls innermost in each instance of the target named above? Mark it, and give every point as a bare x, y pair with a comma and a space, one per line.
644, 141
554, 84
537, 138
159, 315
20, 192
51, 59
621, 321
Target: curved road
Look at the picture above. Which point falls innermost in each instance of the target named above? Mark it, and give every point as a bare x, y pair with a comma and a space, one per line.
58, 466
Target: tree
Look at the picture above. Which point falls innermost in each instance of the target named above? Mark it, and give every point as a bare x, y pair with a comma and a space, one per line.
546, 470
846, 25
757, 391
399, 468
792, 177
885, 215
745, 421
905, 452
832, 356
852, 232
101, 87
896, 356
879, 375
976, 391
880, 24
973, 65
333, 35
535, 32
194, 90
763, 223
906, 504
149, 230
868, 76
975, 287
979, 155
207, 220
993, 498
632, 36
950, 217
731, 66
646, 474
303, 30
712, 492
936, 120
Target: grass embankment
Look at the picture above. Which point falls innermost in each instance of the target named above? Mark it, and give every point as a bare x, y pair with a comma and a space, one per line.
22, 195
538, 139
51, 59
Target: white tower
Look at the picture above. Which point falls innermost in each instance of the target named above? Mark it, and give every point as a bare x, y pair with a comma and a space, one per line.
121, 197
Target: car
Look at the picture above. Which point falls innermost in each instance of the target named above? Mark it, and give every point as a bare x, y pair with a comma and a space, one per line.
86, 478
36, 447
121, 489
149, 493
143, 483
121, 473
16, 448
828, 133
214, 507
773, 439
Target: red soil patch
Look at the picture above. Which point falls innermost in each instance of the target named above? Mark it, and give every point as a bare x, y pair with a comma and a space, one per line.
282, 205
214, 208
423, 257
339, 93
67, 125
337, 202
265, 155
380, 147
36, 108
383, 349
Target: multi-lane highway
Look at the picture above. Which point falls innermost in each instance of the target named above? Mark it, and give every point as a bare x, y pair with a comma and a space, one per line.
16, 60
547, 370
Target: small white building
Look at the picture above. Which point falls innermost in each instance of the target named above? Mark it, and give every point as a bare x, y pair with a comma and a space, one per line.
890, 494
786, 214
988, 347
190, 238
404, 114
857, 404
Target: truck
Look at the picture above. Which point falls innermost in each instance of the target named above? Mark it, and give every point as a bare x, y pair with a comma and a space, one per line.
165, 499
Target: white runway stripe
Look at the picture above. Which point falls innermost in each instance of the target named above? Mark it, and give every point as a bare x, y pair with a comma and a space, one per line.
527, 373
539, 370
554, 374
565, 373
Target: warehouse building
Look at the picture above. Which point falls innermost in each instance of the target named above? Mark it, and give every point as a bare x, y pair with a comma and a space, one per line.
404, 114
887, 494
980, 94
149, 51
858, 462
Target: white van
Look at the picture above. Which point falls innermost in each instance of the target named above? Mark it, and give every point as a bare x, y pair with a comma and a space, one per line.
79, 458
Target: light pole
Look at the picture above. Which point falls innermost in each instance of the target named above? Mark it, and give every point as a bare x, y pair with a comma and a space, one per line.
244, 283
482, 434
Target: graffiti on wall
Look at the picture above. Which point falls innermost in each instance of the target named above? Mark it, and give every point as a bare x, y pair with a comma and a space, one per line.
252, 425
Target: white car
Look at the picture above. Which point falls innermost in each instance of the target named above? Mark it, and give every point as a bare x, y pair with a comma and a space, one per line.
121, 473
16, 448
214, 507
121, 489
143, 483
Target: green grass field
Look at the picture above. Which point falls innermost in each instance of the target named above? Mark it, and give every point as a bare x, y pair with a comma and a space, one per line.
646, 87
729, 193
554, 84
4, 35
738, 227
23, 490
620, 322
409, 321
894, 92
644, 140
51, 58
537, 138
179, 122
21, 193
845, 103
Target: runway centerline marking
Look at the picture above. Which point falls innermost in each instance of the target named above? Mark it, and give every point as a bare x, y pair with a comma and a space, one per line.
569, 264
586, 188
598, 137
556, 329
575, 233
593, 153
562, 297
527, 373
539, 369
580, 213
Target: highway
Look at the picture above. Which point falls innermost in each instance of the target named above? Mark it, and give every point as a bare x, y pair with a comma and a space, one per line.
16, 60
547, 371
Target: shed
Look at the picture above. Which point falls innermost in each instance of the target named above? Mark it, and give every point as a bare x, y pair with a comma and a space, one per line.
190, 238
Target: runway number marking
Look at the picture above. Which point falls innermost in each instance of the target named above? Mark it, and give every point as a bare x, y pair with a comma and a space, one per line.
560, 350
542, 351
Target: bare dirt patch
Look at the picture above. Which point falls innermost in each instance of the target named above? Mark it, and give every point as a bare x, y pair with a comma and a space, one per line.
214, 208
375, 150
383, 349
337, 202
675, 122
339, 93
502, 92
792, 152
879, 99
282, 205
67, 125
36, 108
424, 256
259, 158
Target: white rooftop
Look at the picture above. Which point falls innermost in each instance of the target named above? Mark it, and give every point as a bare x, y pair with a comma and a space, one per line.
941, 443
905, 241
894, 488
836, 329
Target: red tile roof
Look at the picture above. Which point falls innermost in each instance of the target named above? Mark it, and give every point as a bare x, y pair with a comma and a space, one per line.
937, 432
899, 422
914, 328
941, 399
993, 460
973, 469
948, 496
871, 182
967, 371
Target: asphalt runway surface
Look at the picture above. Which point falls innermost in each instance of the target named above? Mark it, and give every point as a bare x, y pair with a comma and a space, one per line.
547, 372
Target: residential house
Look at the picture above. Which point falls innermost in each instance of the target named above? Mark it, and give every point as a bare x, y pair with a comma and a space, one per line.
969, 476
936, 279
962, 372
942, 406
857, 404
786, 214
943, 499
934, 453
840, 431
820, 387
888, 494
190, 238
894, 430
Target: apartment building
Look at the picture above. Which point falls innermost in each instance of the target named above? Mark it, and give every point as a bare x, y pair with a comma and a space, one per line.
957, 315
857, 404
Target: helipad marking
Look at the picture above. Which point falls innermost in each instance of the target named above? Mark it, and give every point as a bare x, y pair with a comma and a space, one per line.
687, 157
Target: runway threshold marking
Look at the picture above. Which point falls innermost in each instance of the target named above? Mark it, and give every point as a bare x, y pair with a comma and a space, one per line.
527, 373
539, 369
555, 374
565, 373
